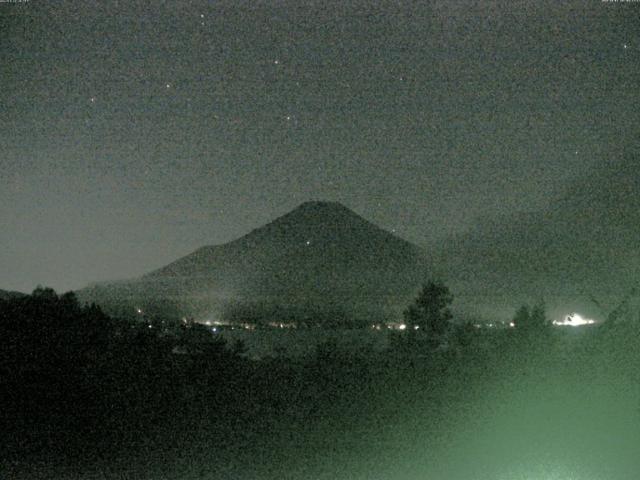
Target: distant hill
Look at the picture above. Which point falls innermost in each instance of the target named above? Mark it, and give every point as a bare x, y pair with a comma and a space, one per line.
320, 257
7, 295
582, 250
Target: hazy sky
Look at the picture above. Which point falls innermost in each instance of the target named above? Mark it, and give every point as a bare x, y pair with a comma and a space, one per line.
133, 132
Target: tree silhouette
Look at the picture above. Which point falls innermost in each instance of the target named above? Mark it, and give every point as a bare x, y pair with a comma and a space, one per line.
430, 312
522, 317
529, 319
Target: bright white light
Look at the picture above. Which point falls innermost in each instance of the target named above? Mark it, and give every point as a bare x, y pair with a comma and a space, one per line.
574, 320
402, 326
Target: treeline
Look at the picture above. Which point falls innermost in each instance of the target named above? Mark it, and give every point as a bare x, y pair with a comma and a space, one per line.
89, 388
76, 381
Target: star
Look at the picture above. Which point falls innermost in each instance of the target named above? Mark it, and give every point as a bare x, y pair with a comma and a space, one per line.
168, 85
276, 62
625, 46
93, 99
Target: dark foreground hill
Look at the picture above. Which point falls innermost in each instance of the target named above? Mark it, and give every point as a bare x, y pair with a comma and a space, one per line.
581, 253
90, 397
319, 261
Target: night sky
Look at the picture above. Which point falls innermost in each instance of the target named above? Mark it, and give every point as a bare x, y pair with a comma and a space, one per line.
133, 132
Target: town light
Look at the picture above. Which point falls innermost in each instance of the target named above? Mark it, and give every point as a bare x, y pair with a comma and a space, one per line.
574, 320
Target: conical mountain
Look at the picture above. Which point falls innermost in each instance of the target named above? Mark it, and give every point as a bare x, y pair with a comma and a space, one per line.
319, 254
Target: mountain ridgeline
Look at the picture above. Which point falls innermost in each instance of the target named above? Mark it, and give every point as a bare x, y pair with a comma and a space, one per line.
321, 262
580, 253
8, 295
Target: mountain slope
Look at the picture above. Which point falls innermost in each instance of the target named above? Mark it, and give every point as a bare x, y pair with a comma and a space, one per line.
7, 295
321, 253
583, 246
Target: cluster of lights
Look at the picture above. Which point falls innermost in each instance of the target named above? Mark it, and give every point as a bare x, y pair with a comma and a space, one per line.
282, 325
494, 325
393, 326
574, 320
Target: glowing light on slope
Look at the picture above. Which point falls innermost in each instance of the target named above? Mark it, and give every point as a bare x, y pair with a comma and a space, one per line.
574, 320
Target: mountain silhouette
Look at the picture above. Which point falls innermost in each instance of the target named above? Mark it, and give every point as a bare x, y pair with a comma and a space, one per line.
8, 295
319, 256
581, 252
